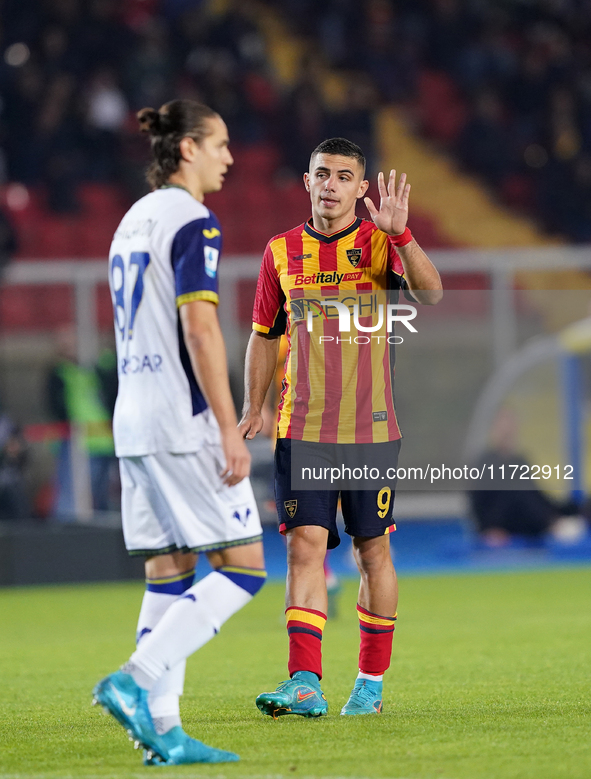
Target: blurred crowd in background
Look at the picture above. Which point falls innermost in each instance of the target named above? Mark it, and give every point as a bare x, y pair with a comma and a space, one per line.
504, 87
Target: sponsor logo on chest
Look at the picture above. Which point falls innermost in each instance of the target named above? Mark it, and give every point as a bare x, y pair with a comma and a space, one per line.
333, 278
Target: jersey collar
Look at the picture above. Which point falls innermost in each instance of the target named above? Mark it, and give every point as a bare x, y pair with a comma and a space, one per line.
175, 186
333, 236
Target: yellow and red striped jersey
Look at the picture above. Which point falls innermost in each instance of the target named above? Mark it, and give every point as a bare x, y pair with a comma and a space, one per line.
336, 389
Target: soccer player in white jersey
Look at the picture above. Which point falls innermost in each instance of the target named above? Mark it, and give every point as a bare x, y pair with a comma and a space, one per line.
184, 465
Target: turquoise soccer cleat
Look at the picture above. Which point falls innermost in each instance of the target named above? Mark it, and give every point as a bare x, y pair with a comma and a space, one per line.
120, 696
182, 750
299, 695
366, 698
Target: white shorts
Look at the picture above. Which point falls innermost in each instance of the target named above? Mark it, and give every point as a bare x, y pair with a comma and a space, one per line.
175, 502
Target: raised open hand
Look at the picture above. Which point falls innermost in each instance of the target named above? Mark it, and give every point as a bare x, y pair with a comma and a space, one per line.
393, 213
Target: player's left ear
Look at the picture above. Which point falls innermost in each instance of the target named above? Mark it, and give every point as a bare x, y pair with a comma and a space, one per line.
363, 187
188, 148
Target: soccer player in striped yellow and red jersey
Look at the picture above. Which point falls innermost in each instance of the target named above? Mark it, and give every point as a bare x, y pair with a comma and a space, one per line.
336, 393
299, 266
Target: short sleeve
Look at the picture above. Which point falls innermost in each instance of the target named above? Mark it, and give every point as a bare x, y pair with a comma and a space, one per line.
269, 304
194, 256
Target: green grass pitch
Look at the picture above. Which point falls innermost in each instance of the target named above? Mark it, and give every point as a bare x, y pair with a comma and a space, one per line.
489, 680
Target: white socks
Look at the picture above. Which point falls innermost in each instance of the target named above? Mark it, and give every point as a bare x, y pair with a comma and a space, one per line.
154, 606
189, 623
163, 700
371, 678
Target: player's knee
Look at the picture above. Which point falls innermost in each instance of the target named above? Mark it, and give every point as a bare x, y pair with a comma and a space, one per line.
247, 556
306, 546
169, 565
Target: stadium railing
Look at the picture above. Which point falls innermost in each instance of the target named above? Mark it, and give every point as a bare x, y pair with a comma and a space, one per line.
499, 273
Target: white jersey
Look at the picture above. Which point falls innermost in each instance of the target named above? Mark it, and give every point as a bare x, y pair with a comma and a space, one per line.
164, 253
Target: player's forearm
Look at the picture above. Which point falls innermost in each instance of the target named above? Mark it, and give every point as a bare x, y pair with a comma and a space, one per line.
421, 275
261, 363
207, 352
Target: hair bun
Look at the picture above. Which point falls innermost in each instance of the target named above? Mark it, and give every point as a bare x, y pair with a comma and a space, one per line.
149, 120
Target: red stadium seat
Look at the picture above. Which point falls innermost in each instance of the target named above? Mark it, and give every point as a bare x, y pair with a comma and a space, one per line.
441, 109
57, 236
101, 199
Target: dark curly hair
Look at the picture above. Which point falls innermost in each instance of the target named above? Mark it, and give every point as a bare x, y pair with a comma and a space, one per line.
167, 127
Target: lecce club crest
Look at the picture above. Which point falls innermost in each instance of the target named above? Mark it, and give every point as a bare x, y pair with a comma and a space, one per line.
291, 506
354, 256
